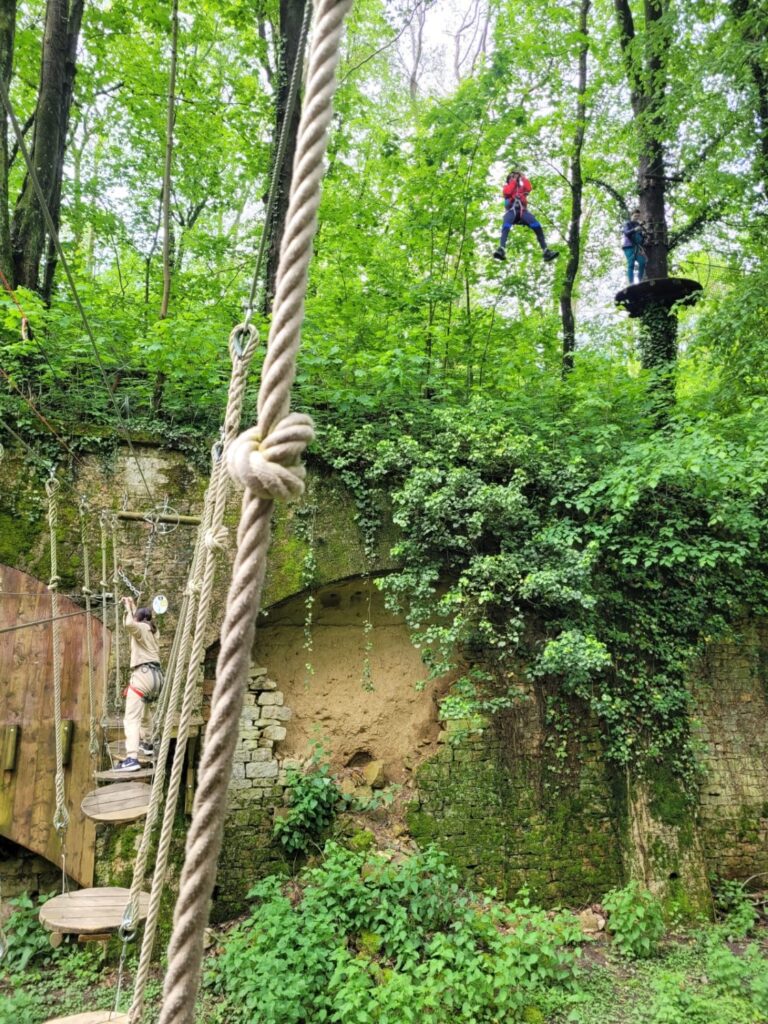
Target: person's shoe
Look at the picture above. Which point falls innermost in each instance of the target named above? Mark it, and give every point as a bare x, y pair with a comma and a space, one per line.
500, 254
130, 764
147, 749
549, 255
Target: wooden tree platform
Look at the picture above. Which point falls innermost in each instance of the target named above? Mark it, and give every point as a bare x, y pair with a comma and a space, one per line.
90, 911
118, 803
636, 298
92, 1017
110, 775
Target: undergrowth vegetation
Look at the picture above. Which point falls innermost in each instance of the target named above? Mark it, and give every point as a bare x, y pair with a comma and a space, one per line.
369, 938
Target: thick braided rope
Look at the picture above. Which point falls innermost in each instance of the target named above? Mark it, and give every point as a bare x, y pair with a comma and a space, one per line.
281, 444
61, 814
219, 488
172, 688
93, 740
116, 595
103, 583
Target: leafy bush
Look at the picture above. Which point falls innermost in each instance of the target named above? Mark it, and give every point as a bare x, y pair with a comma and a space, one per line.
315, 802
733, 904
363, 939
635, 920
26, 938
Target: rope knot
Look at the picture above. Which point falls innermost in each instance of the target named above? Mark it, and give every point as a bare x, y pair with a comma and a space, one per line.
52, 485
53, 582
271, 466
216, 540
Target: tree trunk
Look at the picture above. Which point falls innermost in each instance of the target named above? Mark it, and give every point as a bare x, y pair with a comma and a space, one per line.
577, 187
57, 78
647, 81
7, 32
168, 233
291, 18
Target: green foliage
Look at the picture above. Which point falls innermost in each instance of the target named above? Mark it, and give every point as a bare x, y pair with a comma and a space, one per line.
734, 907
26, 938
363, 939
635, 920
315, 800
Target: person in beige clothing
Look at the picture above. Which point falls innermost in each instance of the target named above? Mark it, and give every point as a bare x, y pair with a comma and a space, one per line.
144, 685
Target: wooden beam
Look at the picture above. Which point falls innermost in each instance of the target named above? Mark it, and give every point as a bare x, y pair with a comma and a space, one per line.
159, 517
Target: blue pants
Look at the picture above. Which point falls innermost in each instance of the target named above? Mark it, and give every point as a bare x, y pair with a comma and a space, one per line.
634, 255
511, 218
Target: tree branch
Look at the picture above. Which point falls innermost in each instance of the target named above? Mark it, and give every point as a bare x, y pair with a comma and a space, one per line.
693, 227
612, 192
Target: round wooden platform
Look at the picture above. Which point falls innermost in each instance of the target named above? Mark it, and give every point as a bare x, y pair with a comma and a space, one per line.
635, 298
119, 802
94, 1017
89, 911
110, 775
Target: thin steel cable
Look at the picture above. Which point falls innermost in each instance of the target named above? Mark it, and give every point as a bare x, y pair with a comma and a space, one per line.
266, 459
65, 265
213, 543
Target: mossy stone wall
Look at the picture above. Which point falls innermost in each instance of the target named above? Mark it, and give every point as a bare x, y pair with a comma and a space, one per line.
511, 814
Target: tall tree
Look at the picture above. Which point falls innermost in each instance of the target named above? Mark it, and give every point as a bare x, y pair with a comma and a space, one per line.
577, 188
292, 43
57, 76
645, 64
7, 32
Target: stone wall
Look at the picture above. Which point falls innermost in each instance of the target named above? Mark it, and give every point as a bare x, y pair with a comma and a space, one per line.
491, 794
731, 690
22, 871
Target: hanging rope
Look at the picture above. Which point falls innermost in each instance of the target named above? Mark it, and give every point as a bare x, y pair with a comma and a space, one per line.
213, 541
116, 595
61, 814
161, 737
104, 648
266, 461
93, 740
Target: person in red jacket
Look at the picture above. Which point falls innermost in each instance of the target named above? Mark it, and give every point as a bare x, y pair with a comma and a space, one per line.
516, 204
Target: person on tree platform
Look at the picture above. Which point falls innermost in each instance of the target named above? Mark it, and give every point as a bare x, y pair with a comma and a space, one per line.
632, 242
144, 686
516, 204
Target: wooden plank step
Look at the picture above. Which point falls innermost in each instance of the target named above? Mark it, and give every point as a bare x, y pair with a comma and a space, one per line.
119, 802
89, 911
117, 752
110, 775
92, 1017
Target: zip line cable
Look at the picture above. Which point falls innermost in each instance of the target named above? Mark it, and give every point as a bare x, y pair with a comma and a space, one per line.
54, 235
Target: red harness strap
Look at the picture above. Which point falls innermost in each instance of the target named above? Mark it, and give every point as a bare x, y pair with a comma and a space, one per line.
134, 690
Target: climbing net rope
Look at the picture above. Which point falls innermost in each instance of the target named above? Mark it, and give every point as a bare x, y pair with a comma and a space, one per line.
266, 461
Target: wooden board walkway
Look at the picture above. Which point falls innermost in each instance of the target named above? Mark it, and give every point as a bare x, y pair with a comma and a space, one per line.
117, 803
93, 1017
89, 911
110, 775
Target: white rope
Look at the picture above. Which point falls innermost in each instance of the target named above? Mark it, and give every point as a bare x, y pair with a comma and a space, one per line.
61, 814
116, 595
278, 440
218, 489
93, 740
